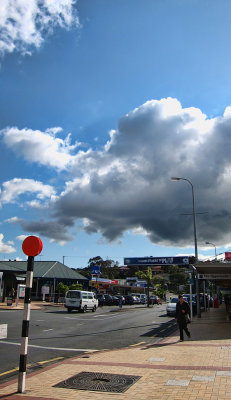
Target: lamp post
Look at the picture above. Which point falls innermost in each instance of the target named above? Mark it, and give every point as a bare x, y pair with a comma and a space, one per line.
174, 178
214, 248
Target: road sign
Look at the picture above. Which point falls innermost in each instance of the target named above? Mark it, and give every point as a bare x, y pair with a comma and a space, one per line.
95, 270
32, 246
228, 255
214, 276
157, 261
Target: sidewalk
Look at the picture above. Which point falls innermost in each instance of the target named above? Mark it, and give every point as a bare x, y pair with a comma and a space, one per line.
199, 369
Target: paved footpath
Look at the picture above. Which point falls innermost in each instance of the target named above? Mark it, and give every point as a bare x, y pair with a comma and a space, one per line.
196, 369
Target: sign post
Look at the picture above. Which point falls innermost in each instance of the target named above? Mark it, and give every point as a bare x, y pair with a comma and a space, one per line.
32, 246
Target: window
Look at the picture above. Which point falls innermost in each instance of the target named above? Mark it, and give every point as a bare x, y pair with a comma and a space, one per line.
73, 295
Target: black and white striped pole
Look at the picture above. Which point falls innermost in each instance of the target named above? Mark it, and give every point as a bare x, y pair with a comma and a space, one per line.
32, 246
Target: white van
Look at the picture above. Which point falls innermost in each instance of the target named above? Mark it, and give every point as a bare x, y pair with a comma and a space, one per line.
141, 296
80, 300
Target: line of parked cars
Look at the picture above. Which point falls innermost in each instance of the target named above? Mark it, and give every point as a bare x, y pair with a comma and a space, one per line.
108, 300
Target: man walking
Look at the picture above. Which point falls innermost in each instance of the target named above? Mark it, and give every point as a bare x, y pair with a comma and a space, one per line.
182, 316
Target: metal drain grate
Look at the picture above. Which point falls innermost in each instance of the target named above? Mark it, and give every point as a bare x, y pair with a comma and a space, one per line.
100, 382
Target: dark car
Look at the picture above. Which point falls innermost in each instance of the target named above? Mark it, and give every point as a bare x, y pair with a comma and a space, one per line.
108, 299
194, 301
155, 300
121, 298
101, 299
115, 301
129, 300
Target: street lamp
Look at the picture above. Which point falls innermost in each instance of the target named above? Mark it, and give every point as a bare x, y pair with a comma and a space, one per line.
194, 212
214, 248
174, 178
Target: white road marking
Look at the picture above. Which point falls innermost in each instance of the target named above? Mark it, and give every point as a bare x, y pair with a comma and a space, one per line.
46, 330
90, 319
49, 348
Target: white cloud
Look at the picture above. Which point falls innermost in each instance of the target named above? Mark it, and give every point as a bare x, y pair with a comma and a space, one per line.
41, 147
16, 187
25, 23
21, 238
6, 248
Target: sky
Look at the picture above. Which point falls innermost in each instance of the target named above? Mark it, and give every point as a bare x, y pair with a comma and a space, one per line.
102, 102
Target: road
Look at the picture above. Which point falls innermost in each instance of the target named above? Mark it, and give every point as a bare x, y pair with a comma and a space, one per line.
54, 333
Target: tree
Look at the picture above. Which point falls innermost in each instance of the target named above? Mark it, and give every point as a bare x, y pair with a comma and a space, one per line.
160, 285
76, 286
176, 278
147, 276
62, 289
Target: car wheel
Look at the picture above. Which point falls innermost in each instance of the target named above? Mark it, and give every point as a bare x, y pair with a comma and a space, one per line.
84, 309
69, 309
94, 309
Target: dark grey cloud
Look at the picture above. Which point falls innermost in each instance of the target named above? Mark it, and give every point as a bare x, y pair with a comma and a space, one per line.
128, 184
50, 229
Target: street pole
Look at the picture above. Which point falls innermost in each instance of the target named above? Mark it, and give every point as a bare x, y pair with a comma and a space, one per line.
195, 241
214, 248
190, 291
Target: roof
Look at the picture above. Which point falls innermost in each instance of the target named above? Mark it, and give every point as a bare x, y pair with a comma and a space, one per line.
42, 269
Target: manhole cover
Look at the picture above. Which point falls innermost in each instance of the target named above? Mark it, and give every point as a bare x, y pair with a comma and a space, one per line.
99, 382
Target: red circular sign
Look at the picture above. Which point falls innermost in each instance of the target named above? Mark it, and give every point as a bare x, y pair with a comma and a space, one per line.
32, 246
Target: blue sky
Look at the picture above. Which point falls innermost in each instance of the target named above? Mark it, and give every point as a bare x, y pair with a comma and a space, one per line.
102, 101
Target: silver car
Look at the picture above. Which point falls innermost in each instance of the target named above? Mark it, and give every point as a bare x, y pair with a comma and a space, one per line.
171, 306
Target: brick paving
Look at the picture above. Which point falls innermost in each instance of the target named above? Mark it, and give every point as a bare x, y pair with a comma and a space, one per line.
198, 369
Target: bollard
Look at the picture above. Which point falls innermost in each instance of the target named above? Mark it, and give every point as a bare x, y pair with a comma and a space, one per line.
32, 246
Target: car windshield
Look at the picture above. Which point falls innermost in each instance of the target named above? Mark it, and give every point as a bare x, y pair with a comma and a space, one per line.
73, 295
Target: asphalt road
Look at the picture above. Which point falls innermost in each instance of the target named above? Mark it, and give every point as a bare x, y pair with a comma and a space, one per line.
54, 333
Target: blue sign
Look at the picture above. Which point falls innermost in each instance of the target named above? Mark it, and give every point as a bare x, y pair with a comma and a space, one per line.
157, 261
95, 270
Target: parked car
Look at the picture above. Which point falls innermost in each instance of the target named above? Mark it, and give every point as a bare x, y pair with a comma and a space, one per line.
141, 296
114, 301
194, 301
101, 299
129, 300
136, 300
121, 298
171, 306
155, 300
108, 299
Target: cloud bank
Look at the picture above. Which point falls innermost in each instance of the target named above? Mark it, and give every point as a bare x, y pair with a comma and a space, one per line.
127, 184
25, 23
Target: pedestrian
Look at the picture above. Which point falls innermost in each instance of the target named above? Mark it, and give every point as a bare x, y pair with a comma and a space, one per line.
183, 317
